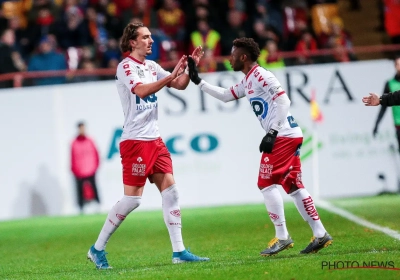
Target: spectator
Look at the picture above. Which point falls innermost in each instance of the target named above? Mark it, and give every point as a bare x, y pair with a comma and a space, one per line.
47, 59
42, 21
234, 29
392, 20
143, 11
10, 60
269, 56
112, 52
304, 45
270, 11
73, 31
22, 41
90, 67
84, 164
211, 42
171, 20
339, 40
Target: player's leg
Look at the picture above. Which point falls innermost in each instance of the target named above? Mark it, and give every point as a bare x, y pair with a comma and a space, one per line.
135, 172
293, 185
92, 180
398, 137
165, 183
271, 172
129, 202
79, 193
274, 204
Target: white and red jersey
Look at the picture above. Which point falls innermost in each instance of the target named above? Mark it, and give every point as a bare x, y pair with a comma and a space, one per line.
141, 115
261, 88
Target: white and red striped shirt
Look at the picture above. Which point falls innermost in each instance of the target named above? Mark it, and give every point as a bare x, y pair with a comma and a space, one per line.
141, 115
261, 88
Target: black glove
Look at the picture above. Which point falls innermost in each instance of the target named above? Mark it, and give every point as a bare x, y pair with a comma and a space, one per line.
268, 141
193, 72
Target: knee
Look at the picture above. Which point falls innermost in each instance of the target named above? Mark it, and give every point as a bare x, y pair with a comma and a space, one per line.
170, 194
267, 189
127, 204
293, 189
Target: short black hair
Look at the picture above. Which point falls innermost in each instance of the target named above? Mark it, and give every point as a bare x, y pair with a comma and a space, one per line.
80, 124
249, 46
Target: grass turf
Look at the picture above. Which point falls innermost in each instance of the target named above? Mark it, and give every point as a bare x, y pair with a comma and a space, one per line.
382, 210
56, 247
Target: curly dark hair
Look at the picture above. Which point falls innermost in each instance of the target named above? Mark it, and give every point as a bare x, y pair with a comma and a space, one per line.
130, 33
249, 46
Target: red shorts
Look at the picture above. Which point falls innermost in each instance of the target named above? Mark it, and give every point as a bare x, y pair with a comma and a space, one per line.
140, 159
282, 166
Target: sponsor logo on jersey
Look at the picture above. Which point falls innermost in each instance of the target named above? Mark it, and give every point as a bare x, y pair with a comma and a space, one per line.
260, 107
139, 159
127, 70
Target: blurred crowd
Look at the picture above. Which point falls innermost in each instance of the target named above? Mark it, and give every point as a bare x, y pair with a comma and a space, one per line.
38, 35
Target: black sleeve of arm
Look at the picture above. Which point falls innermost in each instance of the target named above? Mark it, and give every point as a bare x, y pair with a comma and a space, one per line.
382, 109
391, 99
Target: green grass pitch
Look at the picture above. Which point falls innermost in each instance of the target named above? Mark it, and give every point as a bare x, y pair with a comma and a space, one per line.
233, 236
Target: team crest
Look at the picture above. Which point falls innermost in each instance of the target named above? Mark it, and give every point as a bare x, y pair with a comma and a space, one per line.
176, 213
273, 216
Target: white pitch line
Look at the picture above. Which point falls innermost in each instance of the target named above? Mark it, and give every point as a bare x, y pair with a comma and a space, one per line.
349, 216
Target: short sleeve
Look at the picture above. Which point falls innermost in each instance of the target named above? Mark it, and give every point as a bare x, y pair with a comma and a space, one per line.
161, 73
128, 75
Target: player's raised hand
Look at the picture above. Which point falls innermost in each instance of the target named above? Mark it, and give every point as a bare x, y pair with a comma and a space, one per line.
180, 67
197, 54
193, 72
371, 100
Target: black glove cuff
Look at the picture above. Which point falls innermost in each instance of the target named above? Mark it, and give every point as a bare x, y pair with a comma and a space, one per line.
273, 132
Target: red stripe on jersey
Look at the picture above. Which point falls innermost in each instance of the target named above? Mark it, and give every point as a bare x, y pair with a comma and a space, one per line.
233, 93
135, 60
133, 88
278, 94
251, 71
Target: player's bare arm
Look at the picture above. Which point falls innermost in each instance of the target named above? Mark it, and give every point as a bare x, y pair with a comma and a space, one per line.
371, 100
144, 90
220, 93
182, 81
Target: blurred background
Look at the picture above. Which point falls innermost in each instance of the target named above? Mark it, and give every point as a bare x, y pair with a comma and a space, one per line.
57, 65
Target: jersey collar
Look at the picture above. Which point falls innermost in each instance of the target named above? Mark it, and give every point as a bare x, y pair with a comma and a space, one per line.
251, 71
137, 61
